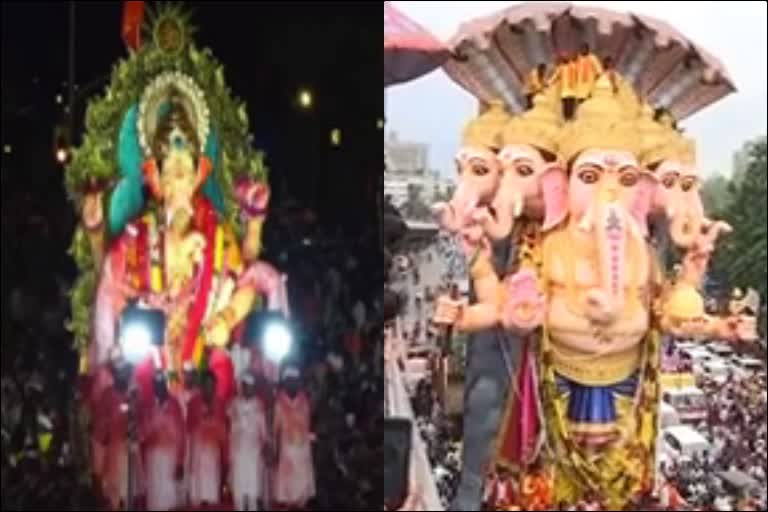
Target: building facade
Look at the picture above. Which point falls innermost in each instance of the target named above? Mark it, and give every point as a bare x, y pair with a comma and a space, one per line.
407, 166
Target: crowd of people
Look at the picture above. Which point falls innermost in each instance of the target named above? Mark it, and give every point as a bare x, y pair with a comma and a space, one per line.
736, 431
337, 314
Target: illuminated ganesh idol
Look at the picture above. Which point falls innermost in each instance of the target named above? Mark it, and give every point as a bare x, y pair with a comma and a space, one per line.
176, 253
585, 297
173, 202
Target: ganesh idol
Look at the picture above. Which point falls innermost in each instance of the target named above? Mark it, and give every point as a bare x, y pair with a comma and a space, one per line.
599, 350
171, 248
582, 288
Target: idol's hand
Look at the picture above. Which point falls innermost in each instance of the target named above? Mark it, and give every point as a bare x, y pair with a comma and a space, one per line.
525, 307
218, 332
447, 311
93, 211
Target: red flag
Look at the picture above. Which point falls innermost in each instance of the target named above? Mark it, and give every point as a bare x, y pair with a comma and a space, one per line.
133, 17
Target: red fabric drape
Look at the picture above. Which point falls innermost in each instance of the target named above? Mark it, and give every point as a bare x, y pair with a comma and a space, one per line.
205, 215
520, 428
133, 17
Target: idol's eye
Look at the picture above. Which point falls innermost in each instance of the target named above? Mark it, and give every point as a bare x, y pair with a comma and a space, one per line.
629, 178
480, 170
524, 170
669, 180
688, 183
589, 176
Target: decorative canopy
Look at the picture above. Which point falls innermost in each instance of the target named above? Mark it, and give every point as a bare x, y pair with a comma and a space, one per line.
409, 50
493, 54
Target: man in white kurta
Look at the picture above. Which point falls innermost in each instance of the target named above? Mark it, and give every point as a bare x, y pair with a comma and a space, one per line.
209, 437
248, 437
295, 478
164, 444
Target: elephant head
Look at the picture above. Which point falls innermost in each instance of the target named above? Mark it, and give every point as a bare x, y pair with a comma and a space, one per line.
677, 196
530, 154
604, 192
480, 172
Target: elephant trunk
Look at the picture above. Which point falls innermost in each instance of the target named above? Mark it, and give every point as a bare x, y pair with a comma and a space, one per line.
613, 231
453, 215
506, 208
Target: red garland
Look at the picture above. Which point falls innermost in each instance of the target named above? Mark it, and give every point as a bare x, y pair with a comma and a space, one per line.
142, 257
205, 217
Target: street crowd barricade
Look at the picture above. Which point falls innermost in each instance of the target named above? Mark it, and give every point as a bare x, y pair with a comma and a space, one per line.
398, 405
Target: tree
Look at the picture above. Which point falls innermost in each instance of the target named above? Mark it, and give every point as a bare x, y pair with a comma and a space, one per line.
743, 256
716, 195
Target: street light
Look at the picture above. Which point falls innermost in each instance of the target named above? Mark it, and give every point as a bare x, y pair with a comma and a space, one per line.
305, 99
335, 137
62, 155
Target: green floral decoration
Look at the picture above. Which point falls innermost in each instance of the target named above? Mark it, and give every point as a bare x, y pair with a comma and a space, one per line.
94, 162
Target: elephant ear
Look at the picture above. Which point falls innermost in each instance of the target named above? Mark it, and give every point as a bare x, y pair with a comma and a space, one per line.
643, 201
211, 187
128, 197
554, 189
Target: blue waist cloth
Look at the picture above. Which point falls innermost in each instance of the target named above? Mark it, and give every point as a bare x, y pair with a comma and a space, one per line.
595, 404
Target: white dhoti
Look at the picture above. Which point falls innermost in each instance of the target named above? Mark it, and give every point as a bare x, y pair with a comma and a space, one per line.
295, 483
205, 474
248, 435
162, 489
247, 478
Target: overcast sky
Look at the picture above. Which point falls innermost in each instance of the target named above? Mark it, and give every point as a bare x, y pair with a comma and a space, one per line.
433, 109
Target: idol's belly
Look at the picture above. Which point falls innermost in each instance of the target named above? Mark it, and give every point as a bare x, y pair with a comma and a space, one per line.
572, 330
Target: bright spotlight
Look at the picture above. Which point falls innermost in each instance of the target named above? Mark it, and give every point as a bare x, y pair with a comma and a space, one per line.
278, 341
140, 331
136, 341
305, 98
271, 332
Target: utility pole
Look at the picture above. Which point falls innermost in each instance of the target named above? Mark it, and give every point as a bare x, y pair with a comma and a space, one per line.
71, 83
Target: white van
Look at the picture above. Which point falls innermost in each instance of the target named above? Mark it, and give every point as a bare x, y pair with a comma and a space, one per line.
668, 416
717, 369
683, 442
720, 349
698, 354
750, 364
690, 403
